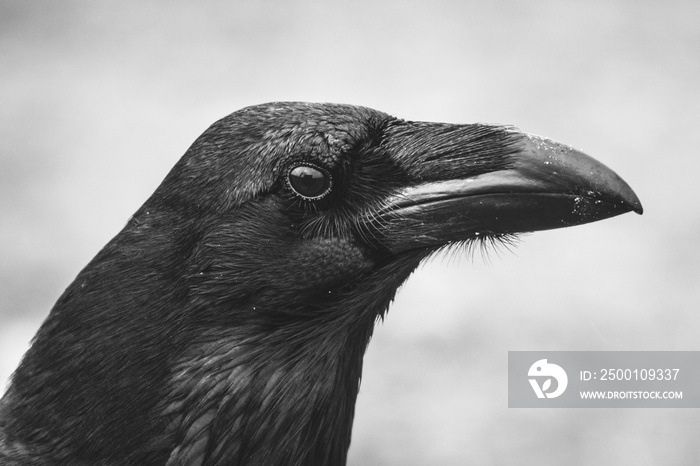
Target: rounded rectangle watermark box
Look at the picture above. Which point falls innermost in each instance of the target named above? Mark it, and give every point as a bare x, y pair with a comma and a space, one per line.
604, 379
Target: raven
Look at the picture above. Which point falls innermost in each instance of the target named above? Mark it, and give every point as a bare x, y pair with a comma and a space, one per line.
227, 322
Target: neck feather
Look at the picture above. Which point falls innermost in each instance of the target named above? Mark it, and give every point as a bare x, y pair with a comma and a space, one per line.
277, 400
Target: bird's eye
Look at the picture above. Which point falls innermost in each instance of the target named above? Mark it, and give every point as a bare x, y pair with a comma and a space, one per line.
309, 182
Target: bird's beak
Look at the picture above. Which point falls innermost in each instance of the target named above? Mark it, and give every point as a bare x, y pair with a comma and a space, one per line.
545, 185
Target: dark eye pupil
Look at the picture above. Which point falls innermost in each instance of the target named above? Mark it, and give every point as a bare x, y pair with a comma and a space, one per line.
309, 181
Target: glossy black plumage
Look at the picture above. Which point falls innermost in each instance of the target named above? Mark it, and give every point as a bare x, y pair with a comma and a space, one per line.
226, 323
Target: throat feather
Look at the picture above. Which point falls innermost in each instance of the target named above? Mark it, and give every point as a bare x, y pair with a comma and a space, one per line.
263, 401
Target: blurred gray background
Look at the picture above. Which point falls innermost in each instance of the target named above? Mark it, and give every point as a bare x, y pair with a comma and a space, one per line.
99, 99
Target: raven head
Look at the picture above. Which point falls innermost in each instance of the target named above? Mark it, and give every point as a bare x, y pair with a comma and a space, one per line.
226, 323
327, 195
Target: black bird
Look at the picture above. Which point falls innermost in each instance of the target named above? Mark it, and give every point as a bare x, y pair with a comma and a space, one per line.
227, 322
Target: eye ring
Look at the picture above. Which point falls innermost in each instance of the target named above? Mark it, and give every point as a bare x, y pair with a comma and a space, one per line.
309, 181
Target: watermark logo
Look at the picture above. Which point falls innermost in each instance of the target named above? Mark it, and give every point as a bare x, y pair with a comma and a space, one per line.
604, 379
544, 371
